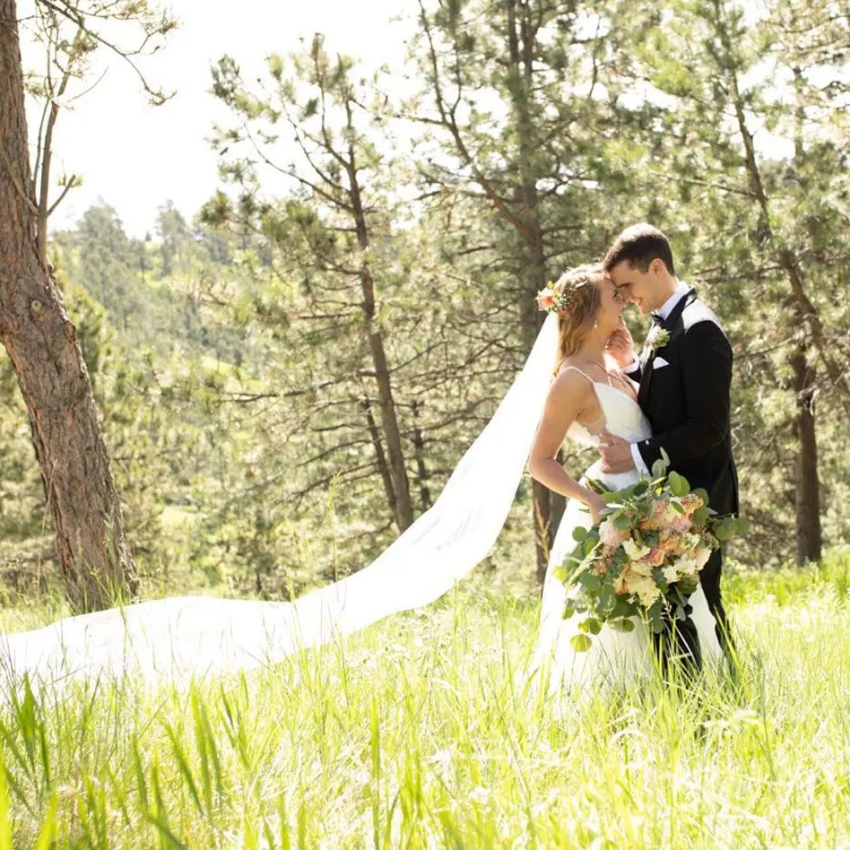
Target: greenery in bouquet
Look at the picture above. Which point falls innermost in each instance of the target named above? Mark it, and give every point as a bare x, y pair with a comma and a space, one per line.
643, 559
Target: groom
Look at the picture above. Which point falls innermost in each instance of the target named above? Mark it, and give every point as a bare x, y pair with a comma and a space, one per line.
685, 372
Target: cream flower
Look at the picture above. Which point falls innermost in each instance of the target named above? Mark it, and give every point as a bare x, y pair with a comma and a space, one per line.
671, 574
701, 556
635, 551
645, 589
642, 568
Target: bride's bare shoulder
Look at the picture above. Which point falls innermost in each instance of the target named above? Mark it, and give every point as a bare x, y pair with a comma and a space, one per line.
571, 381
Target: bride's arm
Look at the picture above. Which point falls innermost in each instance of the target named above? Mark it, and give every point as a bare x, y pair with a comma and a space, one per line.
569, 394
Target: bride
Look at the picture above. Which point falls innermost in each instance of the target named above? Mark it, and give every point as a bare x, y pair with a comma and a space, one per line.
589, 394
179, 638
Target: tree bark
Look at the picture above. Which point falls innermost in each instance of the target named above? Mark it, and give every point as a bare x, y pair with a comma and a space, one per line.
807, 490
91, 545
547, 507
383, 466
386, 404
419, 456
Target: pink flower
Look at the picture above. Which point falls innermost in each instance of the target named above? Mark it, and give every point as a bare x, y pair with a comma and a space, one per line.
656, 556
656, 520
691, 503
610, 536
668, 544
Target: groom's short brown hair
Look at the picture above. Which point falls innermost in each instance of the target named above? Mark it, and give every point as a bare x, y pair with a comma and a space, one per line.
639, 245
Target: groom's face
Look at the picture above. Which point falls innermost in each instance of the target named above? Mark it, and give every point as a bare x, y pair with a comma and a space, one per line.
636, 286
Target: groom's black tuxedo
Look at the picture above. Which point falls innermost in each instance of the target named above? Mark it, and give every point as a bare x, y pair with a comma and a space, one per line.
684, 392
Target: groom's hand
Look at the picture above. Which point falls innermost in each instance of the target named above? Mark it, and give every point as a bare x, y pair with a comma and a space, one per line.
621, 347
616, 453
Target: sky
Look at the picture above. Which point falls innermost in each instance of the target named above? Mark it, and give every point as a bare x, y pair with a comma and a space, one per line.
136, 157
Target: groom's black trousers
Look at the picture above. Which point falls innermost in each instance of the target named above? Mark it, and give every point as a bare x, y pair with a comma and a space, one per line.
680, 639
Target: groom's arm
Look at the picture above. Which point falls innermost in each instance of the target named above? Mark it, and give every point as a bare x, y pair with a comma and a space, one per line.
707, 376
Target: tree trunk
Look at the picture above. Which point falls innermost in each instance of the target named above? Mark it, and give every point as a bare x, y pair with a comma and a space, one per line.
386, 404
419, 455
807, 491
547, 507
92, 549
383, 466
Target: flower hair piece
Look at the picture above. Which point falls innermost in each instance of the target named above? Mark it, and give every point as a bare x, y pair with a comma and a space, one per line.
555, 302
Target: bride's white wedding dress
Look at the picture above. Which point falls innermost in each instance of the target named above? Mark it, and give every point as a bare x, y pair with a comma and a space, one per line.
175, 639
614, 656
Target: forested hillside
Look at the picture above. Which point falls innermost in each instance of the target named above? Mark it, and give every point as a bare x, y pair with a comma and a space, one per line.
287, 380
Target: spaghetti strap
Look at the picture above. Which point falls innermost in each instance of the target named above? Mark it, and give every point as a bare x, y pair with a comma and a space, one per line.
591, 427
576, 369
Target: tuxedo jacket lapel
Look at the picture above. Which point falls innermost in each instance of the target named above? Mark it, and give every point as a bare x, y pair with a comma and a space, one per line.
645, 379
669, 325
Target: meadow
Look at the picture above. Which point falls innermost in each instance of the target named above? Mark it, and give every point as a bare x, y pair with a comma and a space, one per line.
423, 732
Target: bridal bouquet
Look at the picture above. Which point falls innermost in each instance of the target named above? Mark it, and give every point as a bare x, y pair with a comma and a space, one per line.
643, 559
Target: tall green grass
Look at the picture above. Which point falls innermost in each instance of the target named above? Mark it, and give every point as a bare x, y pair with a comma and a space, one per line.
423, 733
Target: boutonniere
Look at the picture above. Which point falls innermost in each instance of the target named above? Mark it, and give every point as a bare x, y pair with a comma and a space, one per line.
658, 337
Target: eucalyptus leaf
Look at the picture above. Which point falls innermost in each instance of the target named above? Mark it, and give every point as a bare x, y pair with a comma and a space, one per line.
724, 531
701, 516
678, 484
580, 643
591, 582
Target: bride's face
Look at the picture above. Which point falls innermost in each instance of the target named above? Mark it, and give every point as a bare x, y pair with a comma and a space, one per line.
612, 303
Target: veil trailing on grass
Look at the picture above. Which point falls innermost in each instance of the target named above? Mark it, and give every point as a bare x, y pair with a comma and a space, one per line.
193, 636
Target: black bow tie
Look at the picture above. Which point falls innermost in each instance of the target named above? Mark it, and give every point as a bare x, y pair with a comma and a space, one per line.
656, 319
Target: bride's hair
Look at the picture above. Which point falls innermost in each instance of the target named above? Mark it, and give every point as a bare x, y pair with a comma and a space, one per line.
581, 285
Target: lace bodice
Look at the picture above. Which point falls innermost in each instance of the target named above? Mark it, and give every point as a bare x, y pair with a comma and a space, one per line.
622, 415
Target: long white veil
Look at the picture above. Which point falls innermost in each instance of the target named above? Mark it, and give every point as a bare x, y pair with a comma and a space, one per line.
193, 636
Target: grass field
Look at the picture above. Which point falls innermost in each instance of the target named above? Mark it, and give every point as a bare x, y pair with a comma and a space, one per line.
420, 733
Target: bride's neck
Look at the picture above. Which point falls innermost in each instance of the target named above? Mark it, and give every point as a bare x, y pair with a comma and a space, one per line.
593, 348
